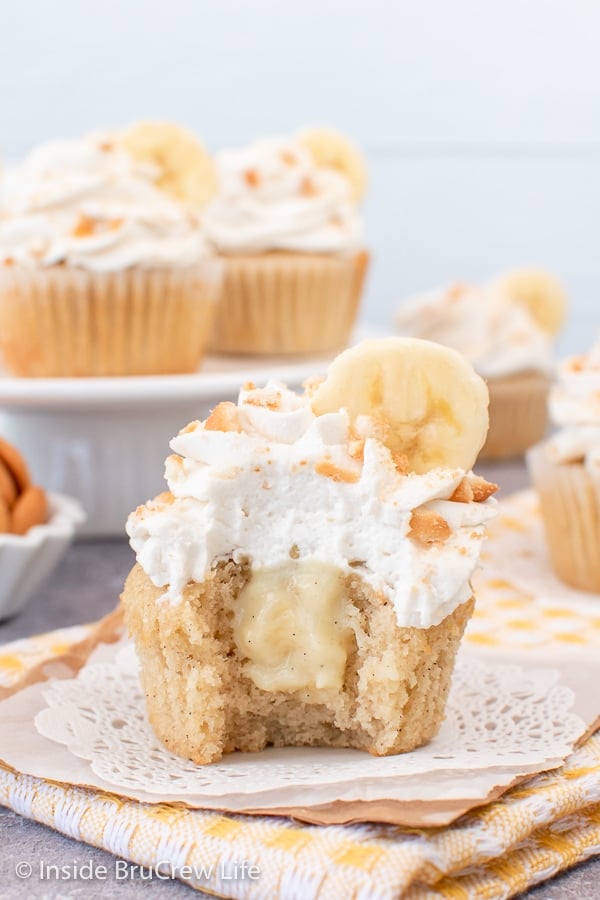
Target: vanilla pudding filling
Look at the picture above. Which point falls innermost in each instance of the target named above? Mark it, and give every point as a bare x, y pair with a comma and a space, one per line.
308, 503
288, 623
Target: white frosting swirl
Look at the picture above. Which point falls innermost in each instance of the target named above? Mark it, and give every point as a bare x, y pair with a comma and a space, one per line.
575, 405
273, 197
92, 206
289, 479
498, 336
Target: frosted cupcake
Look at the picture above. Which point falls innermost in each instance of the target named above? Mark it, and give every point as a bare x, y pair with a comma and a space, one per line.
101, 272
306, 578
505, 329
291, 236
566, 473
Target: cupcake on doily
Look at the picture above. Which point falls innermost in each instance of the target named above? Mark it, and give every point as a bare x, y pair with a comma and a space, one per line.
566, 472
306, 578
506, 329
103, 271
287, 224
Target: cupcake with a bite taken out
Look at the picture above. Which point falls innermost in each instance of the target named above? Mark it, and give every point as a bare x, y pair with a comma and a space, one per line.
306, 578
102, 272
287, 225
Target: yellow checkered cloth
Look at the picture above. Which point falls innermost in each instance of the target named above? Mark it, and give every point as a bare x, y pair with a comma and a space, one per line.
537, 829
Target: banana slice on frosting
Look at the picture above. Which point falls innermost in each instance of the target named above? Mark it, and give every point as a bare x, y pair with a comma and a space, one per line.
431, 402
186, 169
540, 293
332, 150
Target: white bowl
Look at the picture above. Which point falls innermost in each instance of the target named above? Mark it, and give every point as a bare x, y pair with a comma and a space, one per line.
26, 560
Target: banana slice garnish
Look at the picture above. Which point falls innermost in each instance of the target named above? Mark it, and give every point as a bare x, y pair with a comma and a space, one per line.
332, 150
540, 293
186, 169
431, 403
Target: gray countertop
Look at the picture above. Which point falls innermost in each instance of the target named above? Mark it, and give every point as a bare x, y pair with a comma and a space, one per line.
84, 587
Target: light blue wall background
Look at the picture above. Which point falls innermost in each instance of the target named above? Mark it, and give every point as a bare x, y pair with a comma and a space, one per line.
480, 120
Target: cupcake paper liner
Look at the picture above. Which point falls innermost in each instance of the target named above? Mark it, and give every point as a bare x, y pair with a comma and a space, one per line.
518, 414
570, 503
65, 322
284, 303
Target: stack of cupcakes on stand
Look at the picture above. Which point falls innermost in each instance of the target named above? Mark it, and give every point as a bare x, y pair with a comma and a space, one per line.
287, 225
506, 329
104, 268
116, 247
130, 252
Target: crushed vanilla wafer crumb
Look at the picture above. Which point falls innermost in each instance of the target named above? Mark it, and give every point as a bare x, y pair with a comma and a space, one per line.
335, 473
474, 490
482, 489
84, 227
224, 417
428, 527
270, 401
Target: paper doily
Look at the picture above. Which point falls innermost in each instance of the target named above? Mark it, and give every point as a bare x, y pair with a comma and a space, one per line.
498, 714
